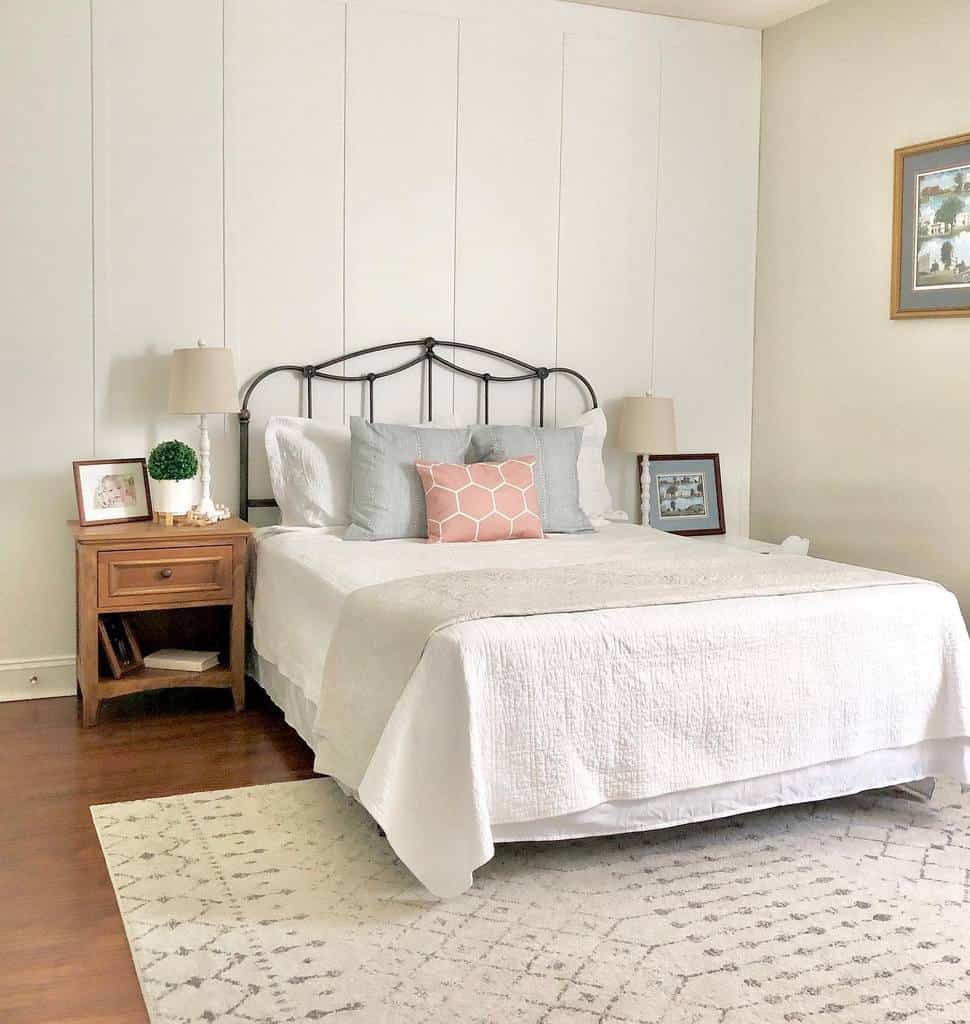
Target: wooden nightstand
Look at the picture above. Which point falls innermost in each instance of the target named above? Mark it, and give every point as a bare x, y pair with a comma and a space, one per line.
179, 586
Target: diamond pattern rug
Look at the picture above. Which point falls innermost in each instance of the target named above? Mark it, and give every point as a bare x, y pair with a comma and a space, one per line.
282, 903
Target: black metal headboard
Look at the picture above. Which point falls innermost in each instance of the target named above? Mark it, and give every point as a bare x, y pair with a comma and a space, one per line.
428, 355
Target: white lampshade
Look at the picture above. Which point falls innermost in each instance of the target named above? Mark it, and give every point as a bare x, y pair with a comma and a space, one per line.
202, 380
647, 425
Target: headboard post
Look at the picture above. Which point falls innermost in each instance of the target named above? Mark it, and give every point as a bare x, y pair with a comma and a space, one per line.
244, 417
542, 373
308, 372
429, 348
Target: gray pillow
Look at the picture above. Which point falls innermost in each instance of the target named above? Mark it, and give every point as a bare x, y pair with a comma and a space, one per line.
557, 478
386, 496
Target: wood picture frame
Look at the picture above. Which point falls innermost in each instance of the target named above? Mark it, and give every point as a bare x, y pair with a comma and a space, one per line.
104, 486
120, 645
930, 179
711, 522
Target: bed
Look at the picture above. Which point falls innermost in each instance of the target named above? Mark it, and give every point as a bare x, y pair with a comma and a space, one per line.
595, 683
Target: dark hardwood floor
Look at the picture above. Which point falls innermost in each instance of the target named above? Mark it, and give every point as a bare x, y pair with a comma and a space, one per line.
63, 953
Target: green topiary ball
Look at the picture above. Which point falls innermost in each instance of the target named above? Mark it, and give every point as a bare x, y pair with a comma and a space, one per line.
172, 460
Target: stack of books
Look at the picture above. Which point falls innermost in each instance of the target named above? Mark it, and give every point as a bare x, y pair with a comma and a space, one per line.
177, 659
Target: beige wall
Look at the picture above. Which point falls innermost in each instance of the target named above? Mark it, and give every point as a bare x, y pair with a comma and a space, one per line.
861, 424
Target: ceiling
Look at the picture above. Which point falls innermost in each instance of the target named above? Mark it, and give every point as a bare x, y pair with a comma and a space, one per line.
748, 13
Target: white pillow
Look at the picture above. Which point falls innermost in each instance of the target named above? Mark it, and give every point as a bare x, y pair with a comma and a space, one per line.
594, 495
309, 469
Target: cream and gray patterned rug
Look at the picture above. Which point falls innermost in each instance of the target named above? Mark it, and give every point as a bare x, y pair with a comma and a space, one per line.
282, 903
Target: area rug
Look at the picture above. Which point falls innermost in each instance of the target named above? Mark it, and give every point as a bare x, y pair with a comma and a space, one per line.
283, 903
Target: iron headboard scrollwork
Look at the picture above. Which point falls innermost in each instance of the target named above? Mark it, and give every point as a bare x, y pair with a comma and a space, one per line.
428, 355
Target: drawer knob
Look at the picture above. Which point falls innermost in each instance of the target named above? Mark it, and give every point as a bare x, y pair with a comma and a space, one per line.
166, 574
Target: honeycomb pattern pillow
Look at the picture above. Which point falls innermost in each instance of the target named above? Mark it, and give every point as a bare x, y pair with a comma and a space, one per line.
481, 501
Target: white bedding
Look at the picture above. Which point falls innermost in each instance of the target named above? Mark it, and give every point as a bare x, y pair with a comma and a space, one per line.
513, 721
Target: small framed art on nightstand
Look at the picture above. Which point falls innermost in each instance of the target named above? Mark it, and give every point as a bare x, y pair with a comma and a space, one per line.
112, 491
685, 494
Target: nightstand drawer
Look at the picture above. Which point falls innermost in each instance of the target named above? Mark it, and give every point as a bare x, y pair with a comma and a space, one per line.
178, 574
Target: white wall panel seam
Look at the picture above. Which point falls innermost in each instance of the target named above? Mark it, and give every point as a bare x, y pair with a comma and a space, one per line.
222, 125
562, 132
343, 228
454, 236
94, 298
656, 214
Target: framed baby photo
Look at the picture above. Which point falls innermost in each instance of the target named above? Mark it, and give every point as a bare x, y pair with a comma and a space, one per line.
112, 491
931, 230
685, 494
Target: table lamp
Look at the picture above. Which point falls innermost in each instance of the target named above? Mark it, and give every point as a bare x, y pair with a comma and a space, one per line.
646, 425
202, 381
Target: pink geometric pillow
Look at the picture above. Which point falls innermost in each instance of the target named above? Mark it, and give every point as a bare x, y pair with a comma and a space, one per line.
481, 501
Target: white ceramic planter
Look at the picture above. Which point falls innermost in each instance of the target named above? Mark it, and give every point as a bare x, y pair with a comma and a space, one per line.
173, 497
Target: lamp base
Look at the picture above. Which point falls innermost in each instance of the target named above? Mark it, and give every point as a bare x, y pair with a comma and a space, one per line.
207, 511
643, 475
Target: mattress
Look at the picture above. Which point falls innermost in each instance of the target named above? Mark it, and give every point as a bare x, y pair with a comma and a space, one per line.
517, 728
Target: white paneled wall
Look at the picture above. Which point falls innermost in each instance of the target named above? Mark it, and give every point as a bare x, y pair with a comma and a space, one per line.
45, 331
705, 251
402, 75
609, 208
509, 132
157, 208
284, 158
300, 178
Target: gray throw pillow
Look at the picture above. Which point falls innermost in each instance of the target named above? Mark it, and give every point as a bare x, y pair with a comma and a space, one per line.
386, 496
557, 478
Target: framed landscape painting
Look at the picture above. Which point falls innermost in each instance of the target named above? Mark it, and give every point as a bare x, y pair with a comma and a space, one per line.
685, 494
931, 230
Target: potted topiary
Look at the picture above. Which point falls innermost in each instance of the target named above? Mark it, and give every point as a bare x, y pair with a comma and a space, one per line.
172, 466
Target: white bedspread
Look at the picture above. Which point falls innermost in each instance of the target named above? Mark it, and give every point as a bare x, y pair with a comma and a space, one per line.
509, 720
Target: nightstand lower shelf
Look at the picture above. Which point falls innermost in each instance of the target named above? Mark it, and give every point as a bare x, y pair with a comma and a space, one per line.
142, 679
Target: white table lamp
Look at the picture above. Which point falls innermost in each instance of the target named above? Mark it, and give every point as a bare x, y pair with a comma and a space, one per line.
647, 425
203, 380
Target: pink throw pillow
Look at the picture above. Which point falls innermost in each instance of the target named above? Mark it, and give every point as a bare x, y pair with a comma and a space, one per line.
481, 501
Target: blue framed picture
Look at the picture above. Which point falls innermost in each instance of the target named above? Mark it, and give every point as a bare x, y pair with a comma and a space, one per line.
685, 494
931, 230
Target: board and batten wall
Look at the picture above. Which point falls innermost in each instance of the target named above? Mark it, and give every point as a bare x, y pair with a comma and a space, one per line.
860, 421
300, 178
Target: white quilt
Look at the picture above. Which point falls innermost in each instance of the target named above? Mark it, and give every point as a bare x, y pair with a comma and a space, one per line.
513, 719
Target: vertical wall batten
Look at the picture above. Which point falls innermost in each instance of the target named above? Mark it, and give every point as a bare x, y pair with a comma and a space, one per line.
656, 220
94, 319
454, 242
562, 125
343, 218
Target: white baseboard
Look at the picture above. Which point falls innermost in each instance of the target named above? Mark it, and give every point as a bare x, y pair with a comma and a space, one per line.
37, 677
